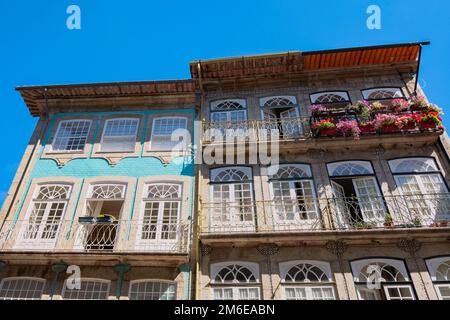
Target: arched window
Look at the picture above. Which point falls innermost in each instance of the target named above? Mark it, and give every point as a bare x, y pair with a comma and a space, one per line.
228, 119
422, 188
235, 281
293, 196
350, 168
383, 93
388, 279
439, 269
119, 135
22, 288
278, 102
108, 191
159, 225
152, 290
90, 289
232, 199
334, 97
43, 218
307, 280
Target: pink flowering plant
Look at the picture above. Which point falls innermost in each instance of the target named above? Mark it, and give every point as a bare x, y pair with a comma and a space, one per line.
418, 102
382, 120
400, 105
316, 109
406, 121
349, 128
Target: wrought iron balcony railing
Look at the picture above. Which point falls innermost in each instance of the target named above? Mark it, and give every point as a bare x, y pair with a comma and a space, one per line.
70, 236
256, 130
304, 215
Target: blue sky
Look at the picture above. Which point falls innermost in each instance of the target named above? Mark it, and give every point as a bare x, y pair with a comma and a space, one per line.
155, 39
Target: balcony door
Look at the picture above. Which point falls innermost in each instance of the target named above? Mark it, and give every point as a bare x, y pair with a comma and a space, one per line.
424, 194
294, 203
357, 200
232, 197
42, 225
281, 114
159, 226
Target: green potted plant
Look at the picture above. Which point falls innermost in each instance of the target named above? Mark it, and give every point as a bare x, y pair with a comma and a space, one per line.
417, 222
388, 221
361, 225
377, 107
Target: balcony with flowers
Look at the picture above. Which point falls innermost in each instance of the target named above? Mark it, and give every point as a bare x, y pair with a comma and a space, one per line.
376, 118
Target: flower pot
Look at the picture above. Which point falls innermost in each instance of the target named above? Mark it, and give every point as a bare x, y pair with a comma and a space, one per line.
366, 129
390, 128
105, 220
86, 220
409, 127
330, 132
427, 125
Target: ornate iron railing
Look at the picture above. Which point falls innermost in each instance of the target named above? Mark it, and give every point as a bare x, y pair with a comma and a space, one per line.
256, 130
316, 214
71, 236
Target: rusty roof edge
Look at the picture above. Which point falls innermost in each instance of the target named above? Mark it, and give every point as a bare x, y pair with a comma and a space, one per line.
103, 84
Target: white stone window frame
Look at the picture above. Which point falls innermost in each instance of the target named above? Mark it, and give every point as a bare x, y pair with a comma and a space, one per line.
365, 165
169, 144
274, 170
41, 281
153, 281
96, 280
58, 132
39, 241
397, 91
343, 94
132, 137
433, 265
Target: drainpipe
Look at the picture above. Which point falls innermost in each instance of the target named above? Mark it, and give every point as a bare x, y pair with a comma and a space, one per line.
57, 268
121, 269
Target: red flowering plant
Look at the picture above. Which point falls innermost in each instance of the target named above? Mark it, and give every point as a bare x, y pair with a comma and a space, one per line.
349, 128
430, 117
400, 105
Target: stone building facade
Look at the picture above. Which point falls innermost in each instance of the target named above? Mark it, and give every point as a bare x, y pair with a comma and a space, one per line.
322, 212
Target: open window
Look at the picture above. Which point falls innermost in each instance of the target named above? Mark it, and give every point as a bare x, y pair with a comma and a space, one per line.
232, 197
424, 194
382, 279
281, 116
100, 223
357, 200
235, 281
293, 195
307, 280
439, 269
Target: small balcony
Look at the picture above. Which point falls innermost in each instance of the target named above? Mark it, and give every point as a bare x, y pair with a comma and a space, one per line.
94, 237
323, 214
